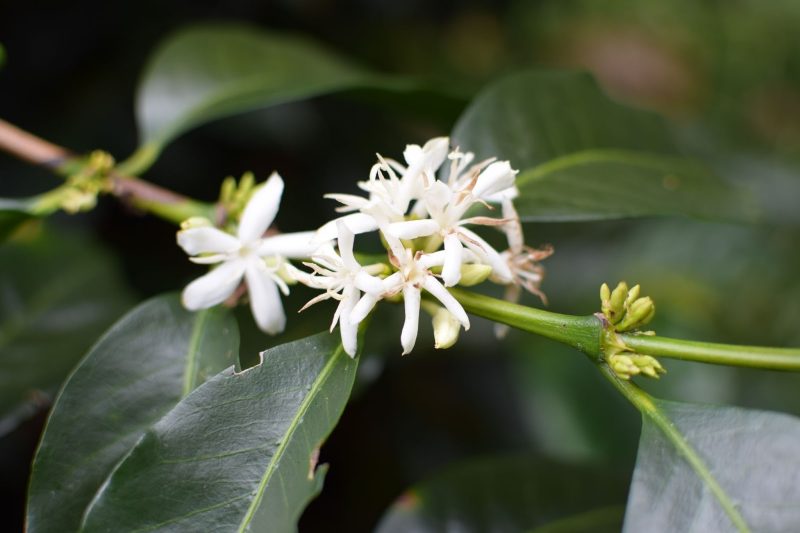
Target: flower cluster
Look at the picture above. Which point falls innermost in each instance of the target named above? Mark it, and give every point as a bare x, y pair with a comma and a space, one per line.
423, 210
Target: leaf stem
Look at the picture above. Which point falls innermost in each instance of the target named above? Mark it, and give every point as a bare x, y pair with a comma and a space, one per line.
649, 409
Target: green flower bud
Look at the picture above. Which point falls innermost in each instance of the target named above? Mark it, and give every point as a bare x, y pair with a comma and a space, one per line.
633, 294
473, 274
196, 222
605, 293
639, 313
616, 305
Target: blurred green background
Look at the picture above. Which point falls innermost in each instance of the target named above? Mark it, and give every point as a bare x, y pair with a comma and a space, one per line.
727, 75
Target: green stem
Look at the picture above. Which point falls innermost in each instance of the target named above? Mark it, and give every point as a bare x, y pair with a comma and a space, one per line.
580, 332
649, 409
715, 354
585, 334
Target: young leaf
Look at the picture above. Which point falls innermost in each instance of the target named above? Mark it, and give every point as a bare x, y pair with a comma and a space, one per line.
535, 116
59, 292
237, 454
136, 373
717, 469
207, 72
510, 494
602, 184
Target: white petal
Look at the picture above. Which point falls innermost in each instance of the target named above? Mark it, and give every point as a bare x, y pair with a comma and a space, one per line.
408, 337
453, 250
411, 229
452, 305
357, 222
345, 241
436, 198
207, 240
505, 194
496, 177
292, 245
367, 283
363, 308
261, 209
265, 301
393, 283
488, 254
432, 260
396, 247
215, 287
348, 328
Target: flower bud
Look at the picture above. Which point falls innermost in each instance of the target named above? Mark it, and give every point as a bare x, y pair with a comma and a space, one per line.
616, 303
196, 222
473, 274
605, 294
446, 328
639, 313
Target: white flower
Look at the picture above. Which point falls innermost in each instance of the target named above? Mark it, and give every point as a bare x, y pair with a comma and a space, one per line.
412, 276
260, 260
447, 204
390, 195
343, 279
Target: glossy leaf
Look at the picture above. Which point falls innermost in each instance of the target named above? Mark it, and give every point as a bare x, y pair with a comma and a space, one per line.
57, 294
208, 72
602, 184
135, 374
583, 156
510, 494
237, 454
535, 116
752, 457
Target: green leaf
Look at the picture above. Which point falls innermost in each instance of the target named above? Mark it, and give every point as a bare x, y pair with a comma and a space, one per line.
135, 374
583, 156
207, 72
603, 184
13, 213
237, 454
510, 494
535, 116
58, 292
706, 468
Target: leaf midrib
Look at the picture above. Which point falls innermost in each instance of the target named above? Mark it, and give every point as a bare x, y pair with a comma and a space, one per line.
645, 404
272, 466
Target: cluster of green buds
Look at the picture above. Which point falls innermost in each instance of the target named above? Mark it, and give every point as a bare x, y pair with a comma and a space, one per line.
80, 192
624, 310
233, 197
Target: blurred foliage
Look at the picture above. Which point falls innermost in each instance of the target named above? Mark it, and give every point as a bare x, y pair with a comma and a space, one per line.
727, 74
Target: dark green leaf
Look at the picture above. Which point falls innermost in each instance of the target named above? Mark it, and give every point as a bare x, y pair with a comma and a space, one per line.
57, 294
510, 494
136, 373
211, 71
237, 454
13, 213
532, 117
603, 184
584, 157
753, 457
